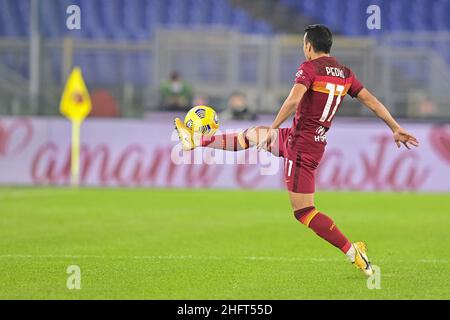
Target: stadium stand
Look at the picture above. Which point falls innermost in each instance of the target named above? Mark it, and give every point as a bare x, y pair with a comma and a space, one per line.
119, 20
136, 21
348, 16
122, 19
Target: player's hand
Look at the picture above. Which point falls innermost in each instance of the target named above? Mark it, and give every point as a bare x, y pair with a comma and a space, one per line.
401, 136
266, 141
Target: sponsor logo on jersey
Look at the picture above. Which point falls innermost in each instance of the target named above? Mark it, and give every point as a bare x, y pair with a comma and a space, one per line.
321, 134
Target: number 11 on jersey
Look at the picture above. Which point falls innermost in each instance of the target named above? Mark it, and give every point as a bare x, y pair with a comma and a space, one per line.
332, 88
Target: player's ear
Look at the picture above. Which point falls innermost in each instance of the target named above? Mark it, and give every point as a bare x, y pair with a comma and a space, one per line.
308, 47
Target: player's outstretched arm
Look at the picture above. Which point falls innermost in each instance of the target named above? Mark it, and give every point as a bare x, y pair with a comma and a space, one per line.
400, 134
287, 109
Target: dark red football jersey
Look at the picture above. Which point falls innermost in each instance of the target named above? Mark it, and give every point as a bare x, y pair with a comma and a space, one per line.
328, 82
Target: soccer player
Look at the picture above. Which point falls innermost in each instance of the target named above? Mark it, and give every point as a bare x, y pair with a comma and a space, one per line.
321, 83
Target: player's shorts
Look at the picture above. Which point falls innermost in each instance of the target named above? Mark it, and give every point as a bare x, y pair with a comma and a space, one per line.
299, 167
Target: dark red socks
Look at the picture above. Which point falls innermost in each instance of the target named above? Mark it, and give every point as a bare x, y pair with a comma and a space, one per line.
229, 142
323, 226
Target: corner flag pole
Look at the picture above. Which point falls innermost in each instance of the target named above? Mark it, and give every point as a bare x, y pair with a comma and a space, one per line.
75, 154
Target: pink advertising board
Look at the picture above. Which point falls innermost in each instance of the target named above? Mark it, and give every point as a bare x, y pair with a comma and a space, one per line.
143, 153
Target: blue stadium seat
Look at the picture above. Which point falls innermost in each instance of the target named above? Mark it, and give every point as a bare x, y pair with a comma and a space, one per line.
355, 21
112, 18
154, 15
12, 22
91, 20
221, 12
440, 17
133, 17
23, 11
198, 12
177, 13
242, 21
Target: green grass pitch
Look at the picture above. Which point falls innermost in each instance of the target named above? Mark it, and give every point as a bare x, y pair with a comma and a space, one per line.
181, 244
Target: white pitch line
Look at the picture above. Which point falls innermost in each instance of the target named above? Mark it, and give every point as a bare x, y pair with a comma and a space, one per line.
433, 261
189, 257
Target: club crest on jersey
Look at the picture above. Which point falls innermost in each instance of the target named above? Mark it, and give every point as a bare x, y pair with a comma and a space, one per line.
321, 134
299, 73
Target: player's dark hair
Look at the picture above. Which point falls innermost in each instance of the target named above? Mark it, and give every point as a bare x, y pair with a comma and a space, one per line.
320, 37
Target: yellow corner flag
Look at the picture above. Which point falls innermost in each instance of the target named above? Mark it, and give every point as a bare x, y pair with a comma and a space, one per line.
76, 106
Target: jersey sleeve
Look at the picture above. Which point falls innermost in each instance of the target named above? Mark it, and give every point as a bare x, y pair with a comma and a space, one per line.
356, 87
305, 74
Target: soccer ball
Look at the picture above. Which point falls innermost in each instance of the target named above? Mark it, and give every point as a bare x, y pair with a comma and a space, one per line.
202, 120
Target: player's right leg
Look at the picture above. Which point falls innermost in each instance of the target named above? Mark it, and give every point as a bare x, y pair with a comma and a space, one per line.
236, 141
300, 181
306, 213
